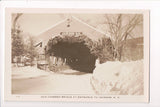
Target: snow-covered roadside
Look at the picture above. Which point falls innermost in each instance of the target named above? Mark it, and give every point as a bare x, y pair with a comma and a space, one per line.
32, 81
27, 72
112, 78
118, 78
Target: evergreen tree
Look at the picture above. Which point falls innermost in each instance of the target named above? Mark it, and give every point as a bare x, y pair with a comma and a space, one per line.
17, 43
17, 40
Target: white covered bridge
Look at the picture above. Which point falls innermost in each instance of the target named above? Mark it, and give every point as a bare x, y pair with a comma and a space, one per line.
75, 54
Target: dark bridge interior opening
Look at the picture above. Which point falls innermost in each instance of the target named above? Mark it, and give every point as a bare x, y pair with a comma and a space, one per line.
77, 55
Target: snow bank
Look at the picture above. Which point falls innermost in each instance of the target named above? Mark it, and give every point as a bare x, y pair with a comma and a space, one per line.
118, 78
27, 72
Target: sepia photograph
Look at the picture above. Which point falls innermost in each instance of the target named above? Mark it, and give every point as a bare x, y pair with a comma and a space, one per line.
94, 56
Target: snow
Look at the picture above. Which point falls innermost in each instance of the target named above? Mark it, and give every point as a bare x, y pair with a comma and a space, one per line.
118, 78
27, 72
33, 81
110, 78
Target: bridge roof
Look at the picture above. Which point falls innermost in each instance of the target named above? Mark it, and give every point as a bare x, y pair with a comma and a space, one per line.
76, 25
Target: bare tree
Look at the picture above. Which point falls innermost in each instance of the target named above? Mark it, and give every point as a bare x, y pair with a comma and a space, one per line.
120, 27
16, 19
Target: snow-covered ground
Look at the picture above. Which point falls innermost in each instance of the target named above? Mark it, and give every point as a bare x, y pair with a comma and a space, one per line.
30, 80
118, 78
110, 78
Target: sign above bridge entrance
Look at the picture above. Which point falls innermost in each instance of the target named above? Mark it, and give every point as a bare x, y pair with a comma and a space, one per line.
71, 33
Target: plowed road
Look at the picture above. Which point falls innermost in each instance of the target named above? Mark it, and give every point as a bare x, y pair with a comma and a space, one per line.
30, 80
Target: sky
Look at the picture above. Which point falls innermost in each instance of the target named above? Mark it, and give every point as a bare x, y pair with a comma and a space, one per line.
36, 23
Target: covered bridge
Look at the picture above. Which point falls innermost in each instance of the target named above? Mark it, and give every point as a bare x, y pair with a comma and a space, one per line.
71, 42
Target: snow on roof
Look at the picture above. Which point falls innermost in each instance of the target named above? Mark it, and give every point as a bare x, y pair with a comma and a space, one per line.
77, 25
52, 26
90, 26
